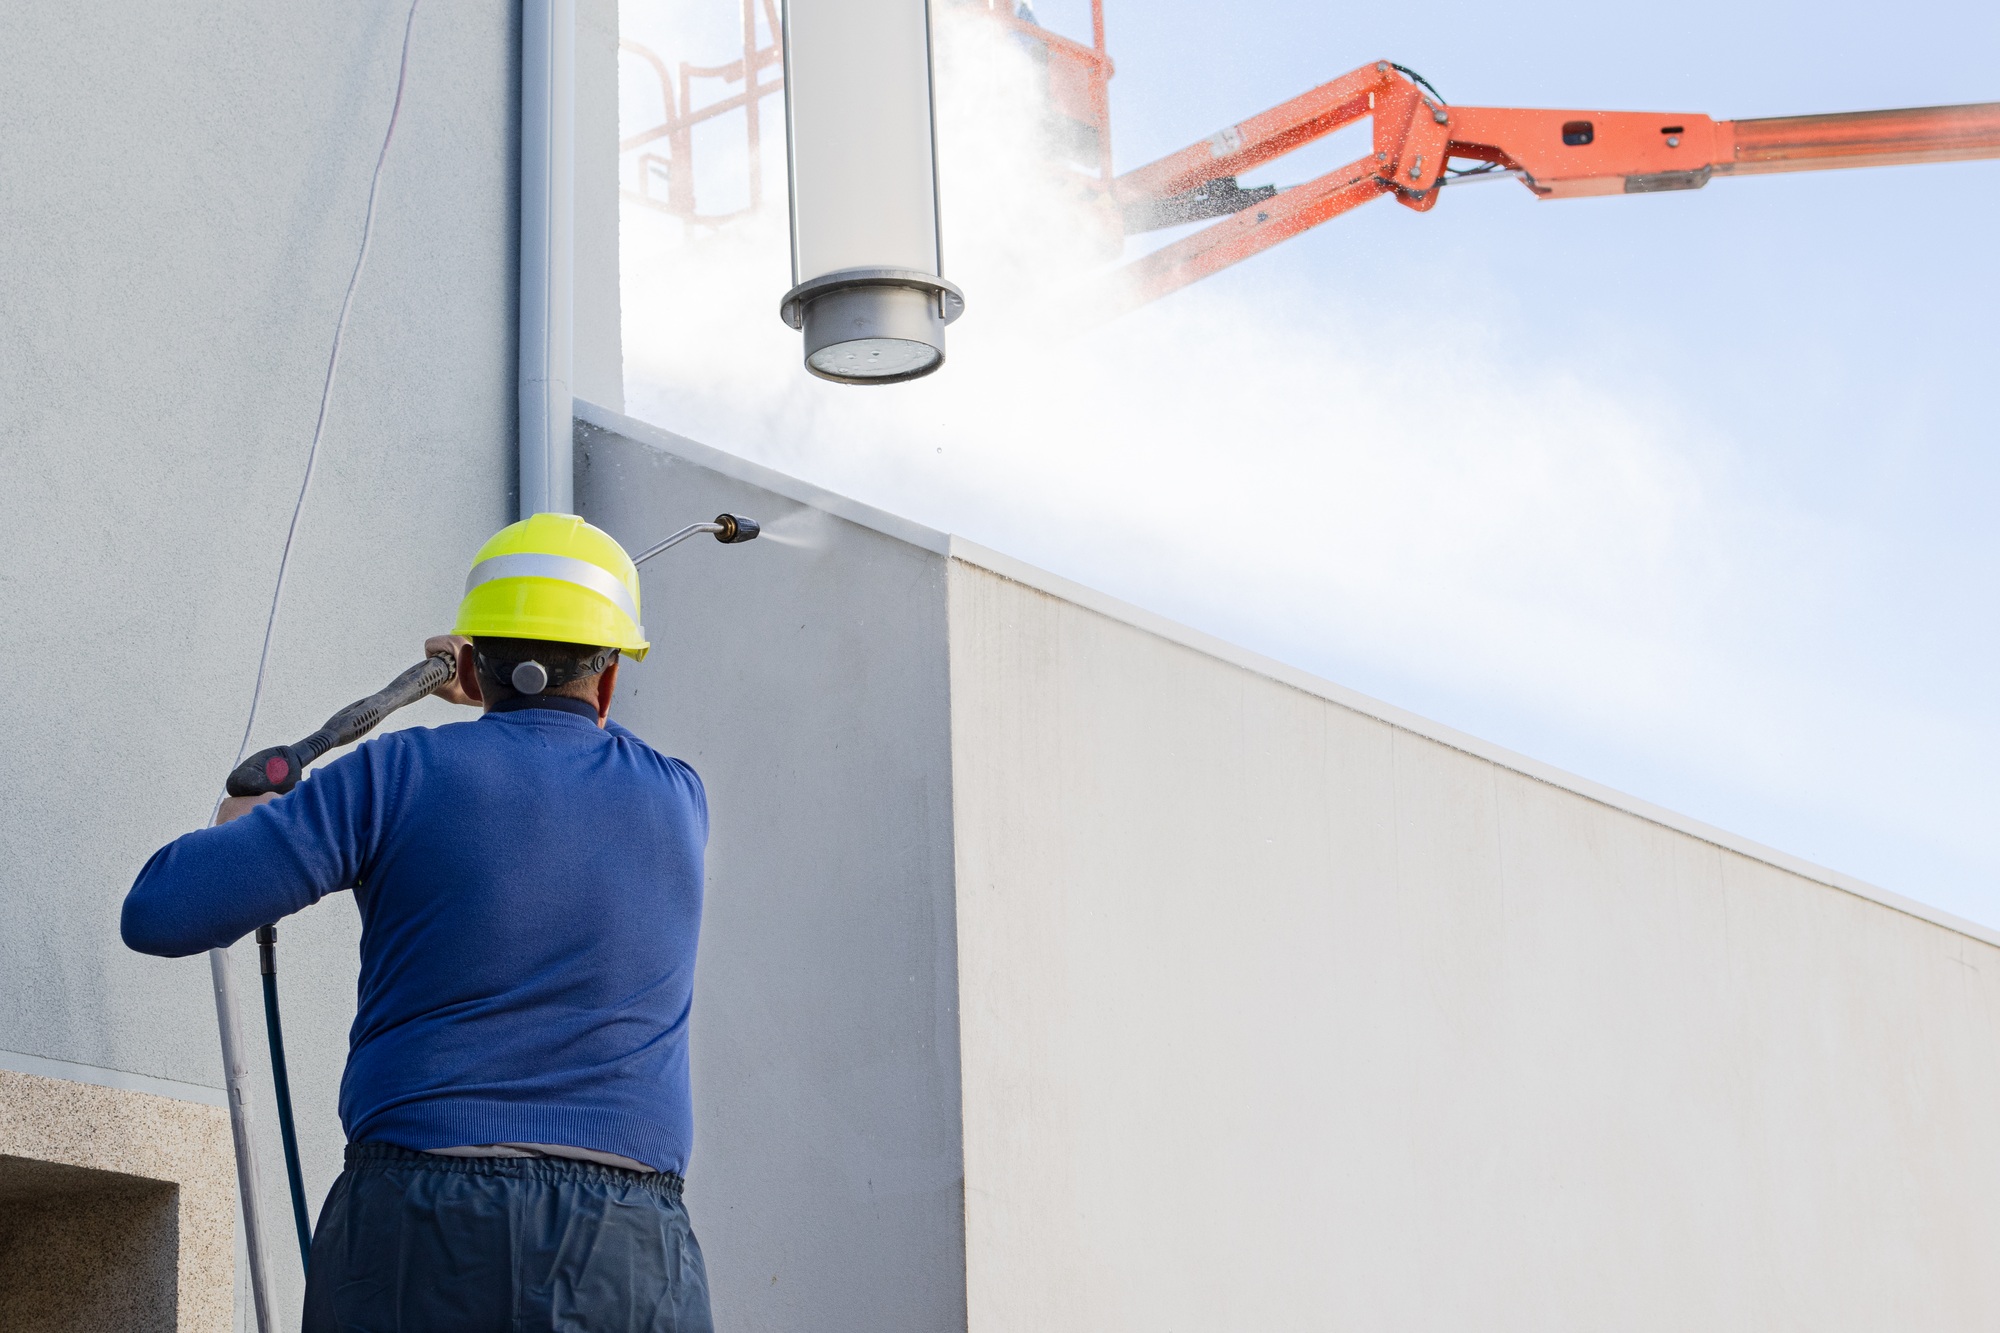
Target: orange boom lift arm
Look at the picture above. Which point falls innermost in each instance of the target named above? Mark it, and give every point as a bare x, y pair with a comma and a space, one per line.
1417, 138
1557, 154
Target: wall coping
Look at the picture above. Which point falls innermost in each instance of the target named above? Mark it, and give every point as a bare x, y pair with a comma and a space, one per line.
20, 1062
145, 1137
770, 479
1054, 585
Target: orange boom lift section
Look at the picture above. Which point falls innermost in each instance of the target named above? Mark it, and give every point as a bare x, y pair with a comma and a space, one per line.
1417, 138
1557, 154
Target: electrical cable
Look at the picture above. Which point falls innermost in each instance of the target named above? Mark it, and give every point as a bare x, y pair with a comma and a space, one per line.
1449, 177
1475, 173
1420, 79
280, 1078
326, 389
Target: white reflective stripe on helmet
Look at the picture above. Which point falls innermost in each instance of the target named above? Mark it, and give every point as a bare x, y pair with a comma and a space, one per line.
561, 568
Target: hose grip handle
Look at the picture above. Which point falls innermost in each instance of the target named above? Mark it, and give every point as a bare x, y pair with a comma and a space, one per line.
276, 770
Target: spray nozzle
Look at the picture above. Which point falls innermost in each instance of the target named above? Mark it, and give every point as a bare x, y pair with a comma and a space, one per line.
736, 528
728, 529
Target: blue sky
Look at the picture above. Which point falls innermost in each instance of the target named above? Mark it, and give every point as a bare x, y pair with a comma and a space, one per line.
1689, 494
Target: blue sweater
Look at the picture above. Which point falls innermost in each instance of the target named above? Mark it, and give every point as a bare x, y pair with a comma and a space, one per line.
530, 889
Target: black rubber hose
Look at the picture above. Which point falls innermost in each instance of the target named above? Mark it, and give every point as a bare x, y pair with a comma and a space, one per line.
267, 963
278, 770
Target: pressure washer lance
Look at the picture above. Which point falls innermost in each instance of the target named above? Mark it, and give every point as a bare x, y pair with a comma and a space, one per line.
278, 770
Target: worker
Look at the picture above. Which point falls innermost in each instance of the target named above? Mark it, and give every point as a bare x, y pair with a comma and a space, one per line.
516, 1096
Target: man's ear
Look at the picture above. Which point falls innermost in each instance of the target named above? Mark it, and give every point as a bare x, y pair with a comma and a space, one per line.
468, 674
607, 682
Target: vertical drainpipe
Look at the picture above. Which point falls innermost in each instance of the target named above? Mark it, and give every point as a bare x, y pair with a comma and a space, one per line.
548, 247
242, 1129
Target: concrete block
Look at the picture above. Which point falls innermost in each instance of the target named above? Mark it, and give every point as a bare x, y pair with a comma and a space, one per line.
117, 1210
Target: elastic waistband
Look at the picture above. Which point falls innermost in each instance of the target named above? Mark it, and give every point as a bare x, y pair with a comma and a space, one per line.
364, 1156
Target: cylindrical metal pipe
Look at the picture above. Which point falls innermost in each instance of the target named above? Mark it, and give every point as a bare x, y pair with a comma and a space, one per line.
548, 274
867, 285
236, 1078
873, 325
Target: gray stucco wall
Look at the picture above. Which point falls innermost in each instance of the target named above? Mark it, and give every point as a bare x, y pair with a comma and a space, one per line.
1280, 1013
183, 203
804, 676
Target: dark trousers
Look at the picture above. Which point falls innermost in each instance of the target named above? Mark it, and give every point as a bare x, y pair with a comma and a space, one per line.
410, 1243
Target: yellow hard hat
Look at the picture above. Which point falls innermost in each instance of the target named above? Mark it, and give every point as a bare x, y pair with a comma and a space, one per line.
554, 577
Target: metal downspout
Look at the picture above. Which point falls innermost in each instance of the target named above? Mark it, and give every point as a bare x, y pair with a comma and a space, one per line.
548, 270
236, 1075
